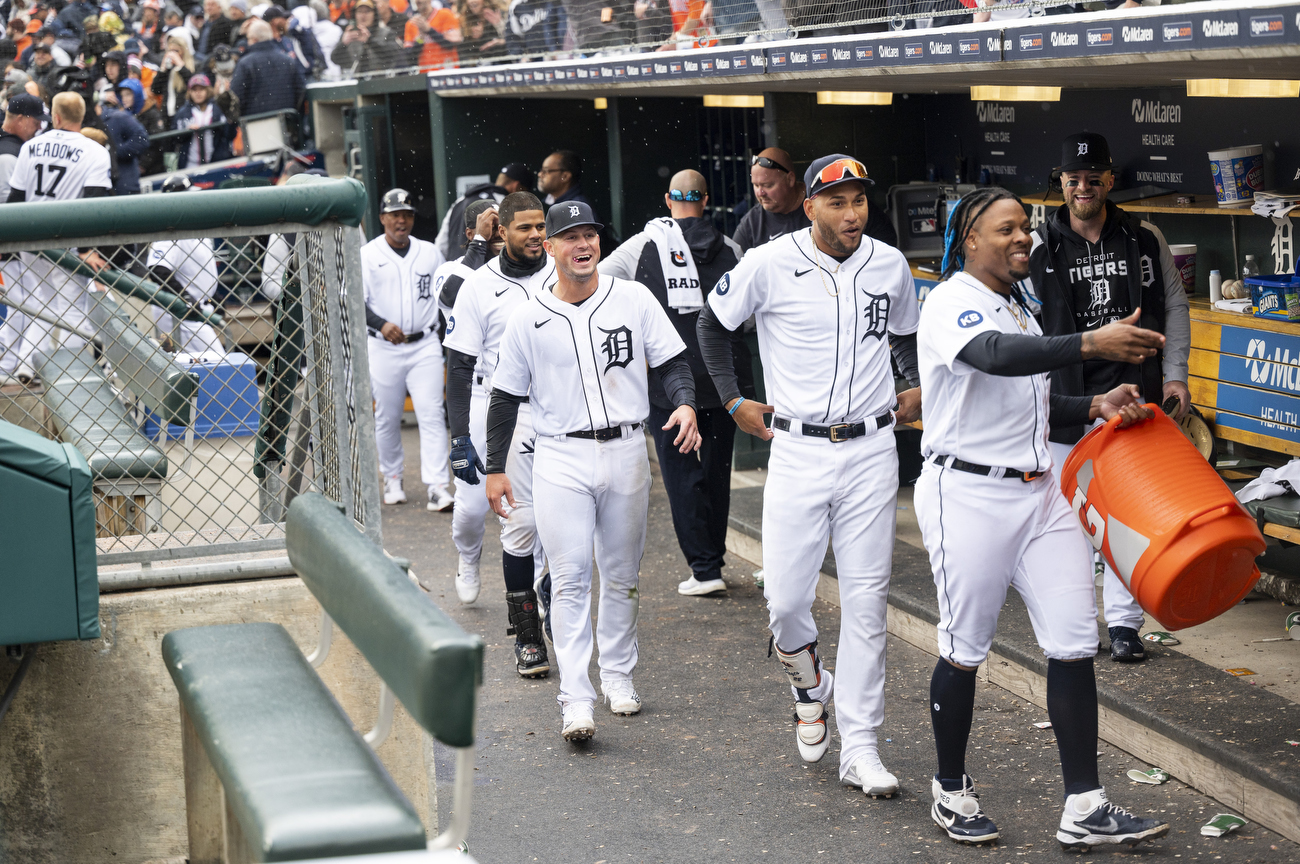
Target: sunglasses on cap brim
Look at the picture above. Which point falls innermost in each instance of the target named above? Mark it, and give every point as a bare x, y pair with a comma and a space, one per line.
765, 162
839, 170
688, 195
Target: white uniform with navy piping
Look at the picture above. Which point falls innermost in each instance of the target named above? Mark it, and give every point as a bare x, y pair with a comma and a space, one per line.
987, 533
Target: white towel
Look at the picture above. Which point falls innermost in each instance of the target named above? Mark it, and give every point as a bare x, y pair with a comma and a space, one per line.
1271, 483
680, 275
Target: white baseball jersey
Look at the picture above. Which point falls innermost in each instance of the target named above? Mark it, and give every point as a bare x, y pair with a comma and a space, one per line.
443, 272
193, 262
986, 419
399, 288
58, 165
483, 307
586, 364
822, 329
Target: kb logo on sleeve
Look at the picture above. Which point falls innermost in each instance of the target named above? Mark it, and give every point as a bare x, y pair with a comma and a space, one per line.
969, 318
617, 347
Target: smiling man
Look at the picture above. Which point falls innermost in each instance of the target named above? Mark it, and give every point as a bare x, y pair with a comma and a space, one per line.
831, 305
1092, 264
579, 353
474, 328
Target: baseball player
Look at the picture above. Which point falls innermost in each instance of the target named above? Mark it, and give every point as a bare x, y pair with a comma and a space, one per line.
405, 356
188, 268
483, 241
1091, 264
60, 165
831, 304
579, 353
483, 306
992, 515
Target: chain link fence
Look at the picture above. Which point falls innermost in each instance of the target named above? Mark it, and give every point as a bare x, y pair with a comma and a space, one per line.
203, 350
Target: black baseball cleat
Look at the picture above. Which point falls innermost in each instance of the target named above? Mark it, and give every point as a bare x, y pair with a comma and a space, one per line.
1126, 645
1091, 820
959, 815
531, 660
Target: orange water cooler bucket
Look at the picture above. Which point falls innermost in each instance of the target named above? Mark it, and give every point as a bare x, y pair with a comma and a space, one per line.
1166, 522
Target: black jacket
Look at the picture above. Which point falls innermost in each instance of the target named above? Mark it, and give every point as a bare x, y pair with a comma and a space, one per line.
267, 79
715, 256
1051, 258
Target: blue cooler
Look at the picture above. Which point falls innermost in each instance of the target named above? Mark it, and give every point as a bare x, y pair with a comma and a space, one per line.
228, 400
1276, 297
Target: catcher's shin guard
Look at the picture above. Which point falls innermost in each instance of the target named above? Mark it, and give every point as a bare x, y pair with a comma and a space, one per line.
805, 672
526, 626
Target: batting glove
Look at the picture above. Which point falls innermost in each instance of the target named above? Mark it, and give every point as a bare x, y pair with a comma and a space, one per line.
465, 463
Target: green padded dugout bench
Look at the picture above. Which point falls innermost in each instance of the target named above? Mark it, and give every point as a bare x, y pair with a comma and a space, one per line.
264, 739
49, 582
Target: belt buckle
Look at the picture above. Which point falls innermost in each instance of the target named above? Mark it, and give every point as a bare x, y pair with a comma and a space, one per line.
1029, 476
835, 431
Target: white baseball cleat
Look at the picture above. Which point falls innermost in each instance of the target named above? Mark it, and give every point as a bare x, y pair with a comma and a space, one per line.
467, 581
621, 696
1091, 820
439, 500
579, 722
693, 587
811, 731
868, 773
393, 491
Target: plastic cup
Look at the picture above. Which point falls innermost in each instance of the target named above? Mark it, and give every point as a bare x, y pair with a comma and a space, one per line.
1185, 260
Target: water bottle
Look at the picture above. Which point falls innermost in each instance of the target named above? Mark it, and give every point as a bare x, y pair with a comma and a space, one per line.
1250, 268
1216, 286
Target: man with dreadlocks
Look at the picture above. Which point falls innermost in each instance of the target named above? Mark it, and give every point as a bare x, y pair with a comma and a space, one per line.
1091, 264
830, 305
992, 515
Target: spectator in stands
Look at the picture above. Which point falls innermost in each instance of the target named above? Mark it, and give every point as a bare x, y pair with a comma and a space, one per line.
172, 19
73, 17
16, 32
113, 67
237, 12
46, 37
366, 46
8, 52
944, 13
483, 23
392, 17
172, 83
216, 29
96, 44
433, 34
600, 24
313, 17
128, 141
111, 23
267, 79
131, 95
341, 12
148, 28
535, 27
297, 43
43, 68
210, 145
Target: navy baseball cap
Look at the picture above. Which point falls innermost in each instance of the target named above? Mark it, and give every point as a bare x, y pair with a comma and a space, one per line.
569, 214
27, 105
518, 171
1085, 151
833, 170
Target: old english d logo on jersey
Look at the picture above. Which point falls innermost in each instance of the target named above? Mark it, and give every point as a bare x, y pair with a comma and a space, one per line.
617, 347
423, 282
876, 315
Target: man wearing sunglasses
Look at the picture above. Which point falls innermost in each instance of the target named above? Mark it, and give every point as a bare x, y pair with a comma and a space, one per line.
780, 196
831, 306
1092, 264
679, 259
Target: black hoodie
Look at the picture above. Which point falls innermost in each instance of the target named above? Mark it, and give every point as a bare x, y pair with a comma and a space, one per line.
1085, 285
715, 255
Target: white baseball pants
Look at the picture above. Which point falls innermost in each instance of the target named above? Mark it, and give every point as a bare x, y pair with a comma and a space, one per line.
519, 532
42, 285
847, 493
985, 535
11, 331
415, 368
192, 337
592, 496
1118, 603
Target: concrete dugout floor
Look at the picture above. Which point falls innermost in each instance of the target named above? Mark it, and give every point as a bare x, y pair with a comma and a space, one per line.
709, 770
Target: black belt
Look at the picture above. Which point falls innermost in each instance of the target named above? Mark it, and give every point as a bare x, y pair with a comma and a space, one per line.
839, 432
410, 337
987, 470
607, 434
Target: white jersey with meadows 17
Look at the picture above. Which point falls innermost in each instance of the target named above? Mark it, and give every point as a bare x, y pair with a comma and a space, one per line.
483, 307
58, 165
823, 326
993, 420
586, 364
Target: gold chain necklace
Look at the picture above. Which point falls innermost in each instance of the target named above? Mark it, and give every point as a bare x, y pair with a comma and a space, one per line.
818, 262
1017, 314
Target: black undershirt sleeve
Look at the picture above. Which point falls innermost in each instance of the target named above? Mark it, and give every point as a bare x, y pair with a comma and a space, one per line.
475, 257
96, 192
904, 351
1065, 410
503, 411
166, 277
374, 321
715, 349
16, 196
678, 381
1012, 355
476, 254
460, 383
